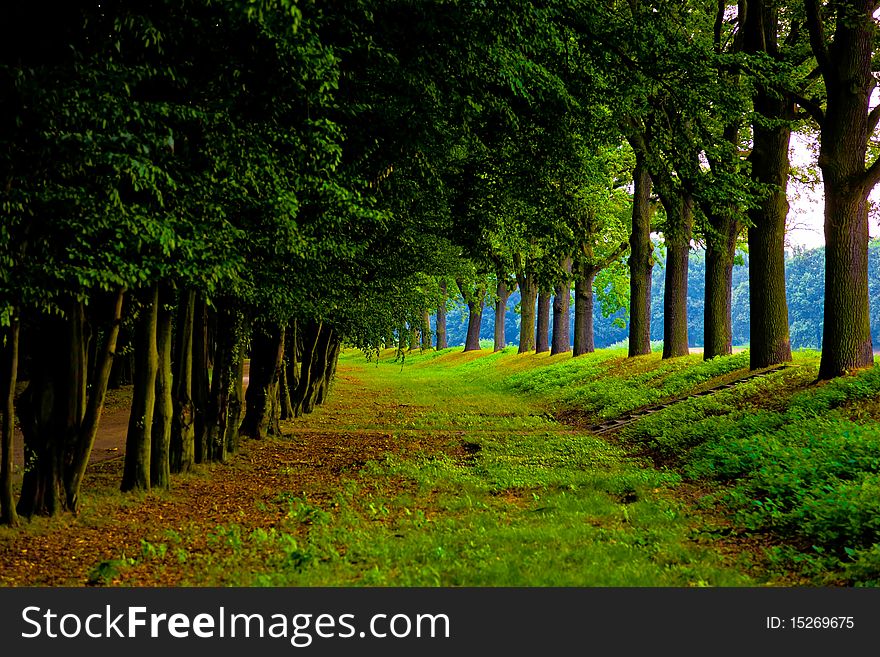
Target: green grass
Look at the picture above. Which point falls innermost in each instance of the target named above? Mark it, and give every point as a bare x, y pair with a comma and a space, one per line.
485, 488
490, 491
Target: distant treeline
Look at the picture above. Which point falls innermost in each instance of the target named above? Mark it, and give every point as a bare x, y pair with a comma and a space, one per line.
805, 288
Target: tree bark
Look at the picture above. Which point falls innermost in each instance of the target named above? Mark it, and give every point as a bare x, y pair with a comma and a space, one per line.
288, 369
441, 318
561, 341
425, 330
136, 470
182, 428
527, 327
310, 337
720, 253
641, 262
413, 337
88, 430
846, 128
318, 369
542, 336
680, 217
9, 374
502, 295
200, 380
163, 415
475, 303
768, 308
583, 310
267, 352
236, 399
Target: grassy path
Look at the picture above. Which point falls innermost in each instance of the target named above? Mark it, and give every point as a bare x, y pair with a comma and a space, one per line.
489, 490
431, 474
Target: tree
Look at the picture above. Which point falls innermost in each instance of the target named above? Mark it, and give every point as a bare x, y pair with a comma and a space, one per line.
847, 123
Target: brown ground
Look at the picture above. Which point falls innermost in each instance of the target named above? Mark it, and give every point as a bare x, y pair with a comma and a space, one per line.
309, 463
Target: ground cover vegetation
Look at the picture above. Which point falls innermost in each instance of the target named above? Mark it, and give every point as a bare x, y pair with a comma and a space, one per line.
190, 189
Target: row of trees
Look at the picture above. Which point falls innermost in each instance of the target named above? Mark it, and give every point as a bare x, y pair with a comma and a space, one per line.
207, 181
804, 283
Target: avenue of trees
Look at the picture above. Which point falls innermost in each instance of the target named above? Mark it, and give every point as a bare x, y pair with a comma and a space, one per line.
187, 185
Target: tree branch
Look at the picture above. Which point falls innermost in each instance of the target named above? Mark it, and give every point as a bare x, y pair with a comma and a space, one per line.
817, 37
872, 175
873, 119
614, 256
812, 108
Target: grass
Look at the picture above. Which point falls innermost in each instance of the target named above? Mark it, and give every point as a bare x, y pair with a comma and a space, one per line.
451, 469
511, 498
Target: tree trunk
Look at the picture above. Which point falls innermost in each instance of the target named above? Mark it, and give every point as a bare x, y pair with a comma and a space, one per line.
335, 350
9, 374
163, 415
846, 334
542, 337
413, 337
503, 294
267, 352
51, 410
529, 295
641, 262
200, 381
846, 129
136, 470
182, 428
771, 132
425, 331
88, 430
319, 368
236, 399
680, 217
475, 317
720, 253
583, 310
441, 318
561, 341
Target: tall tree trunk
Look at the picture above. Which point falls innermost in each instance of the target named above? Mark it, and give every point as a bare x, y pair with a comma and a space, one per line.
200, 381
475, 303
846, 334
318, 369
846, 127
136, 470
425, 330
267, 352
284, 404
502, 295
529, 296
182, 428
441, 318
236, 399
51, 410
413, 337
163, 414
88, 430
561, 341
292, 355
583, 310
768, 308
330, 370
720, 253
680, 217
542, 336
641, 262
9, 374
